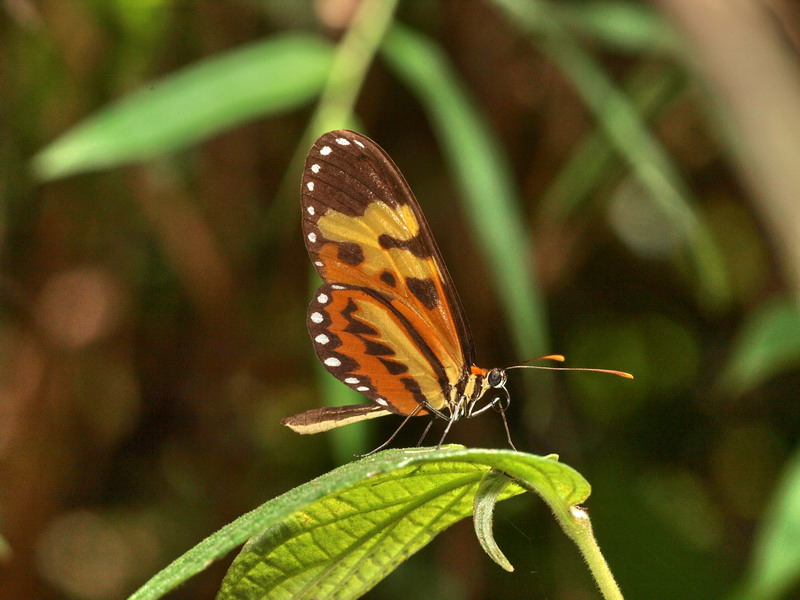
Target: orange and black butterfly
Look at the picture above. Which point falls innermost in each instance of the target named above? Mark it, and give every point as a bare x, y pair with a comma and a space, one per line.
387, 321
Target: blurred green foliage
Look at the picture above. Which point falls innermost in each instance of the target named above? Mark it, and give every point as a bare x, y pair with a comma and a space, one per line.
154, 283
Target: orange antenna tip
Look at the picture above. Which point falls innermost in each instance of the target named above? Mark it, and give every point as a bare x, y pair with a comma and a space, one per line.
624, 374
584, 369
557, 357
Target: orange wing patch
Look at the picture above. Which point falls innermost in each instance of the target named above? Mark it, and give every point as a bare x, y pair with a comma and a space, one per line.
368, 345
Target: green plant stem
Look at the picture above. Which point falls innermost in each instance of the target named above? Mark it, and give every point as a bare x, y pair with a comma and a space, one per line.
353, 57
351, 61
574, 520
577, 526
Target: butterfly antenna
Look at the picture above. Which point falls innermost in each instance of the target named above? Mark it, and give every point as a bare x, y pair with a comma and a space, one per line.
396, 431
560, 358
557, 357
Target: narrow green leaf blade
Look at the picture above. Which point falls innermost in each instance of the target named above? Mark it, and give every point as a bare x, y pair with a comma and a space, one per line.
768, 343
260, 79
491, 486
624, 26
623, 125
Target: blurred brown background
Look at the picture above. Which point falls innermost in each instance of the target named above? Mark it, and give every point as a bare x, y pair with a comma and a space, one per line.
152, 316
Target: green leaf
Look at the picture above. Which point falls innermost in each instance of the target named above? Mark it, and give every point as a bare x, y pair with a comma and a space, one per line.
340, 534
214, 95
357, 530
492, 485
776, 563
768, 343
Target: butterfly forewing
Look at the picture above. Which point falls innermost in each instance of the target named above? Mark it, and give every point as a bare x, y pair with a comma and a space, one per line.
364, 228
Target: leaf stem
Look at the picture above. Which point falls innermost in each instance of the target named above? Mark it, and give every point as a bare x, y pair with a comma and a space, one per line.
578, 527
350, 64
351, 60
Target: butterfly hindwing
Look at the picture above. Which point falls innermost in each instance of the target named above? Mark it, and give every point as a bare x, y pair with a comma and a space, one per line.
364, 228
368, 345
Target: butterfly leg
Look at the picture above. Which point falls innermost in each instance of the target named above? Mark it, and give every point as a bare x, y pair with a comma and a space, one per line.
453, 418
501, 404
427, 429
391, 437
508, 432
447, 430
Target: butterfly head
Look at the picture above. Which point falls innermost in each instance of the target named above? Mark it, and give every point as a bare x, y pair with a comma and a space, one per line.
491, 391
496, 378
494, 383
499, 398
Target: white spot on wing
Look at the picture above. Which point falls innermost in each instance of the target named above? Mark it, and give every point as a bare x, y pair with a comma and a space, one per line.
311, 210
315, 168
310, 186
322, 298
342, 142
362, 388
316, 318
352, 380
332, 361
325, 150
358, 143
319, 263
322, 339
336, 286
381, 401
312, 237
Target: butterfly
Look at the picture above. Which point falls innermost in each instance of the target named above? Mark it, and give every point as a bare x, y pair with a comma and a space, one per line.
388, 321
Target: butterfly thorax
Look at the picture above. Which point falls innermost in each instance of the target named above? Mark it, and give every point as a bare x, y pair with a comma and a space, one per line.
465, 396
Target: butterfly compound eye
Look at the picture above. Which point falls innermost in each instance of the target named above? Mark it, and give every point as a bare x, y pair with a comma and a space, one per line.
496, 378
